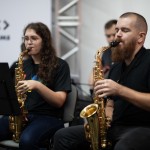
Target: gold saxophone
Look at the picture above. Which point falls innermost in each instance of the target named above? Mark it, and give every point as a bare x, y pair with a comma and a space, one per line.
96, 127
17, 122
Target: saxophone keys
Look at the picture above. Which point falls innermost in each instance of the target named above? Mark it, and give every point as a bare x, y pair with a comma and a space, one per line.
29, 91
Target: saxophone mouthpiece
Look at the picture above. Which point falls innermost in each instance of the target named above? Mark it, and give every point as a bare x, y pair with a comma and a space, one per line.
114, 43
28, 49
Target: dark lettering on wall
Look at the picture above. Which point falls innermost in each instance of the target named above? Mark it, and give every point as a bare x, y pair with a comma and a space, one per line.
4, 37
4, 24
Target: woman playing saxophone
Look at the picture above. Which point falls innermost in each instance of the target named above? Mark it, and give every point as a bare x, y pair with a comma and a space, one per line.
48, 79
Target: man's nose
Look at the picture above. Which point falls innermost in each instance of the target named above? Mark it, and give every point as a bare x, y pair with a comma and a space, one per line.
119, 33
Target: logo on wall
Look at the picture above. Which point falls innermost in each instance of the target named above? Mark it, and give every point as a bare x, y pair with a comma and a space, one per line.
4, 25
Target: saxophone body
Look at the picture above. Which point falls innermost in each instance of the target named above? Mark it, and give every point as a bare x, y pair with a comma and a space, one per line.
18, 122
96, 126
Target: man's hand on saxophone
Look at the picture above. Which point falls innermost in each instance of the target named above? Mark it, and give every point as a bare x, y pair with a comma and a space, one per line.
106, 87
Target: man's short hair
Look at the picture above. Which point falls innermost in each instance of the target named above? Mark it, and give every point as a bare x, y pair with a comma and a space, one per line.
140, 23
110, 23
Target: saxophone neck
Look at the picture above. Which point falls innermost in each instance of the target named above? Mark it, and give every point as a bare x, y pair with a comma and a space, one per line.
24, 52
98, 69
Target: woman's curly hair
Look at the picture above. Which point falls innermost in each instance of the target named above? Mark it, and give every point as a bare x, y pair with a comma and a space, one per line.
47, 53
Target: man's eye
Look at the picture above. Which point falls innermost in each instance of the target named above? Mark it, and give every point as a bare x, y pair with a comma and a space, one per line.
125, 30
117, 30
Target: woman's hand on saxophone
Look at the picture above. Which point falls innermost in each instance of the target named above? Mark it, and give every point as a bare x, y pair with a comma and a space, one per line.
106, 87
26, 85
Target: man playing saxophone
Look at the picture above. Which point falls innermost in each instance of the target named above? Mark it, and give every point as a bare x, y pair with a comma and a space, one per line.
128, 85
128, 89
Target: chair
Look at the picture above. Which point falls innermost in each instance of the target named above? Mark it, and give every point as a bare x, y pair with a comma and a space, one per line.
70, 104
68, 116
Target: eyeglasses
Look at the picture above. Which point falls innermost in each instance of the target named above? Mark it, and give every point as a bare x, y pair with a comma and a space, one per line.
32, 39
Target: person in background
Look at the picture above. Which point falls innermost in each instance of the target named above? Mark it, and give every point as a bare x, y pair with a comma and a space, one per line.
110, 30
128, 85
73, 138
47, 77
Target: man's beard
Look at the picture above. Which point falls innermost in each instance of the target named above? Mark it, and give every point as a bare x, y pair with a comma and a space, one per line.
121, 54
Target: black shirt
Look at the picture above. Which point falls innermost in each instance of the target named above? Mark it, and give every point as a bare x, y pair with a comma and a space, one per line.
137, 77
106, 58
61, 82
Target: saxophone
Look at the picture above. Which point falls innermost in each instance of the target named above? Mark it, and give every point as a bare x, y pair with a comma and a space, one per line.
18, 122
96, 126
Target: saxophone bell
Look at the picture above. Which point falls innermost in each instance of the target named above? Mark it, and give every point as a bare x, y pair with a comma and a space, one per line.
92, 127
96, 128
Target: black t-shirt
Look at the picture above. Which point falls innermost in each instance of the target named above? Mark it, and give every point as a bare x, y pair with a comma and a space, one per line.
106, 58
135, 76
106, 62
61, 82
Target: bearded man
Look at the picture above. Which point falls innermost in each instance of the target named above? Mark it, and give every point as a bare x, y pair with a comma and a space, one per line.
128, 86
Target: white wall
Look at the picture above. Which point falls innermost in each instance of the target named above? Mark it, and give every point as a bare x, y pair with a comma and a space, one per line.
18, 13
94, 14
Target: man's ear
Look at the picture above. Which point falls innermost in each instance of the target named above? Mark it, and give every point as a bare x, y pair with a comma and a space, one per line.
141, 37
